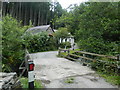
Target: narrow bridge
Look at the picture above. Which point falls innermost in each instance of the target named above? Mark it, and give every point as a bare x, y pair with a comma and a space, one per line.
57, 72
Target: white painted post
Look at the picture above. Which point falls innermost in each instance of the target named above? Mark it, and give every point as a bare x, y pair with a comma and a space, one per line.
30, 74
65, 47
72, 43
60, 40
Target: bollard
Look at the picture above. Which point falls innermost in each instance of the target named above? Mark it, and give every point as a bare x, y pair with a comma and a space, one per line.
31, 74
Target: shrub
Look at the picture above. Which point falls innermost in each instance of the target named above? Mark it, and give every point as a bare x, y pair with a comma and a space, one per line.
39, 42
67, 44
12, 44
61, 33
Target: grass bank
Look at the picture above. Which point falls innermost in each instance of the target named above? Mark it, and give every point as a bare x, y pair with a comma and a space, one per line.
111, 78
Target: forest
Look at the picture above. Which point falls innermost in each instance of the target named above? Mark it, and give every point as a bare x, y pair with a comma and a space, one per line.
39, 13
94, 25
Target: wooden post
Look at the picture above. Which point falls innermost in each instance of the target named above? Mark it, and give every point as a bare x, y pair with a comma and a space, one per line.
68, 51
65, 48
73, 46
59, 51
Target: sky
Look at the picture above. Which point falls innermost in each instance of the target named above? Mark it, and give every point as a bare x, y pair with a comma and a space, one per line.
66, 3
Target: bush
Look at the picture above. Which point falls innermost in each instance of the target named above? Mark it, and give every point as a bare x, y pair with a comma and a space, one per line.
12, 44
67, 44
39, 42
61, 33
95, 45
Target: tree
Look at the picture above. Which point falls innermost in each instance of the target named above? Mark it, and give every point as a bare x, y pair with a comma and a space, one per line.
95, 29
36, 12
98, 30
62, 33
57, 13
12, 44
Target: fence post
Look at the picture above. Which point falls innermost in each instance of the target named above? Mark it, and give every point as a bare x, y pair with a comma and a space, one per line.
30, 74
68, 51
59, 51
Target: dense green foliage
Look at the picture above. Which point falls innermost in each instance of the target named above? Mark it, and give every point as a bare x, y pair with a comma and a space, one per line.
95, 26
61, 34
113, 79
12, 44
65, 45
39, 42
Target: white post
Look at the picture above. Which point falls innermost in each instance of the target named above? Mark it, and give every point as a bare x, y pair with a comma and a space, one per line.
31, 74
60, 40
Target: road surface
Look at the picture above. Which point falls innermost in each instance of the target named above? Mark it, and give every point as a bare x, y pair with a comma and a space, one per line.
56, 72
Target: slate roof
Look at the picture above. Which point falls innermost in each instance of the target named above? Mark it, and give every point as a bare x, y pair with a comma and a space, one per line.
38, 29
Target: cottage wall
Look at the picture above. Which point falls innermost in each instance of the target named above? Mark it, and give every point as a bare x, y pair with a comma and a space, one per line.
70, 39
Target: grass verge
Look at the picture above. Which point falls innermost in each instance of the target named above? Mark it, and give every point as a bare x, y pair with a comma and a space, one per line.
64, 54
24, 83
113, 79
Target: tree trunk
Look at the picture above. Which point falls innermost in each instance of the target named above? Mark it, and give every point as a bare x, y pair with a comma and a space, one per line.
25, 13
3, 8
19, 17
39, 18
34, 17
31, 13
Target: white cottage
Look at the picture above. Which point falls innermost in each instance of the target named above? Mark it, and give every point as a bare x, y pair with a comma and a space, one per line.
69, 39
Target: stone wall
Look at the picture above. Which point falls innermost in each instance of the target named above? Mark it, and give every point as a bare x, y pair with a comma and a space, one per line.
9, 81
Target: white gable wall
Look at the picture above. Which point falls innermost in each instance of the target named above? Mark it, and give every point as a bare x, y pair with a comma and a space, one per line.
71, 40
